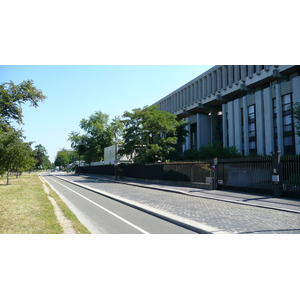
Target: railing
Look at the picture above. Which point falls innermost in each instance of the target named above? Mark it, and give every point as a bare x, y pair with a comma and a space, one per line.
272, 175
290, 173
247, 173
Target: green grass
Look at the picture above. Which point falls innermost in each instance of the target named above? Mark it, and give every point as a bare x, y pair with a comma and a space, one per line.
26, 209
68, 213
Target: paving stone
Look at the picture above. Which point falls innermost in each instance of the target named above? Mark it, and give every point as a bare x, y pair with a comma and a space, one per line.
227, 216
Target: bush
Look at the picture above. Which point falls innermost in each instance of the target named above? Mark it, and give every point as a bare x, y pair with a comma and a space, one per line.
211, 151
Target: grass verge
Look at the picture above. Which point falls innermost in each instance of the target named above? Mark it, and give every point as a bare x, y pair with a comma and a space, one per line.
77, 225
26, 209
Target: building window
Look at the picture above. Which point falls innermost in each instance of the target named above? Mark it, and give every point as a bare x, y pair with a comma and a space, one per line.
252, 129
287, 124
275, 126
194, 136
220, 127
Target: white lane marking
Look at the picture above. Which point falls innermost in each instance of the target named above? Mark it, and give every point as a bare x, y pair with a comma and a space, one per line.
115, 215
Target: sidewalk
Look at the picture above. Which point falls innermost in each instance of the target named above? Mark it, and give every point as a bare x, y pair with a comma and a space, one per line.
259, 200
205, 211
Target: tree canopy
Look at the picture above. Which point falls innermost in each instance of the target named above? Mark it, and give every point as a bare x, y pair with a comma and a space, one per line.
41, 156
65, 157
99, 133
15, 154
11, 98
151, 133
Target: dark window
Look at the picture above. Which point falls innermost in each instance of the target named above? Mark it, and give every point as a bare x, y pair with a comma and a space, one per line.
275, 126
252, 129
194, 136
287, 123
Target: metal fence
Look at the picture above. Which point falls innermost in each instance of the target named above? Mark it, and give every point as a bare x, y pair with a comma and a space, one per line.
250, 174
290, 175
187, 172
247, 173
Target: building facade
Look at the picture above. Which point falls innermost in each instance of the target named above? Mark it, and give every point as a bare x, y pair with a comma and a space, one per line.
246, 106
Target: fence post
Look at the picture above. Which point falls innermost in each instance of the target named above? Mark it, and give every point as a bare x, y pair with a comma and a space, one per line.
276, 177
214, 178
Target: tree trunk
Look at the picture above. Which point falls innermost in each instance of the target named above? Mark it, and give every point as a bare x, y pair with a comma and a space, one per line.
7, 178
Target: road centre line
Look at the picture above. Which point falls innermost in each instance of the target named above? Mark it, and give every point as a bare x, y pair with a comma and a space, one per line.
110, 212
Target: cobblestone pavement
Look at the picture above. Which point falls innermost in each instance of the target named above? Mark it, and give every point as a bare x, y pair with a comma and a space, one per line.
226, 216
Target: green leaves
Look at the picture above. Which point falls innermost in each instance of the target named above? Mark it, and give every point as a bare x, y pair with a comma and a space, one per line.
99, 133
15, 154
11, 98
150, 132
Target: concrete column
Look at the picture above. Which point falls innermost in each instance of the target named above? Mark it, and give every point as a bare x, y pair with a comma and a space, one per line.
214, 124
236, 74
181, 99
204, 86
237, 125
279, 118
208, 84
175, 102
268, 121
188, 96
214, 82
198, 116
224, 122
259, 124
246, 125
231, 124
224, 77
258, 69
243, 72
296, 99
230, 75
250, 71
219, 80
200, 89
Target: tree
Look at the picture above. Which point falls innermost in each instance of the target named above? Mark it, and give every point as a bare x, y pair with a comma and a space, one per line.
15, 154
11, 98
150, 132
42, 158
99, 133
65, 157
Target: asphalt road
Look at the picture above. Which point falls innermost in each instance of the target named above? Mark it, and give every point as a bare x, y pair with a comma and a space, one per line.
104, 215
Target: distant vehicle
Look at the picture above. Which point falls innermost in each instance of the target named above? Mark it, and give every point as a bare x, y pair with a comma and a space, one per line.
111, 156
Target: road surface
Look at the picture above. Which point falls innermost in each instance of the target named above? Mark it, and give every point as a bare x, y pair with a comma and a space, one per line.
102, 214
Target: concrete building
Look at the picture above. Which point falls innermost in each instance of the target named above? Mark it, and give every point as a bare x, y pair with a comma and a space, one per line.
246, 106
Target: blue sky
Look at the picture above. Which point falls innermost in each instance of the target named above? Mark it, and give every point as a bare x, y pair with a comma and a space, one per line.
77, 91
116, 56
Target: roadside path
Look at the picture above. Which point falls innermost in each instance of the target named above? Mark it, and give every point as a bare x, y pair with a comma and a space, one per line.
63, 221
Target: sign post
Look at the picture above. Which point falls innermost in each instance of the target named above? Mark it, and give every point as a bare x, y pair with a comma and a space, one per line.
116, 168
